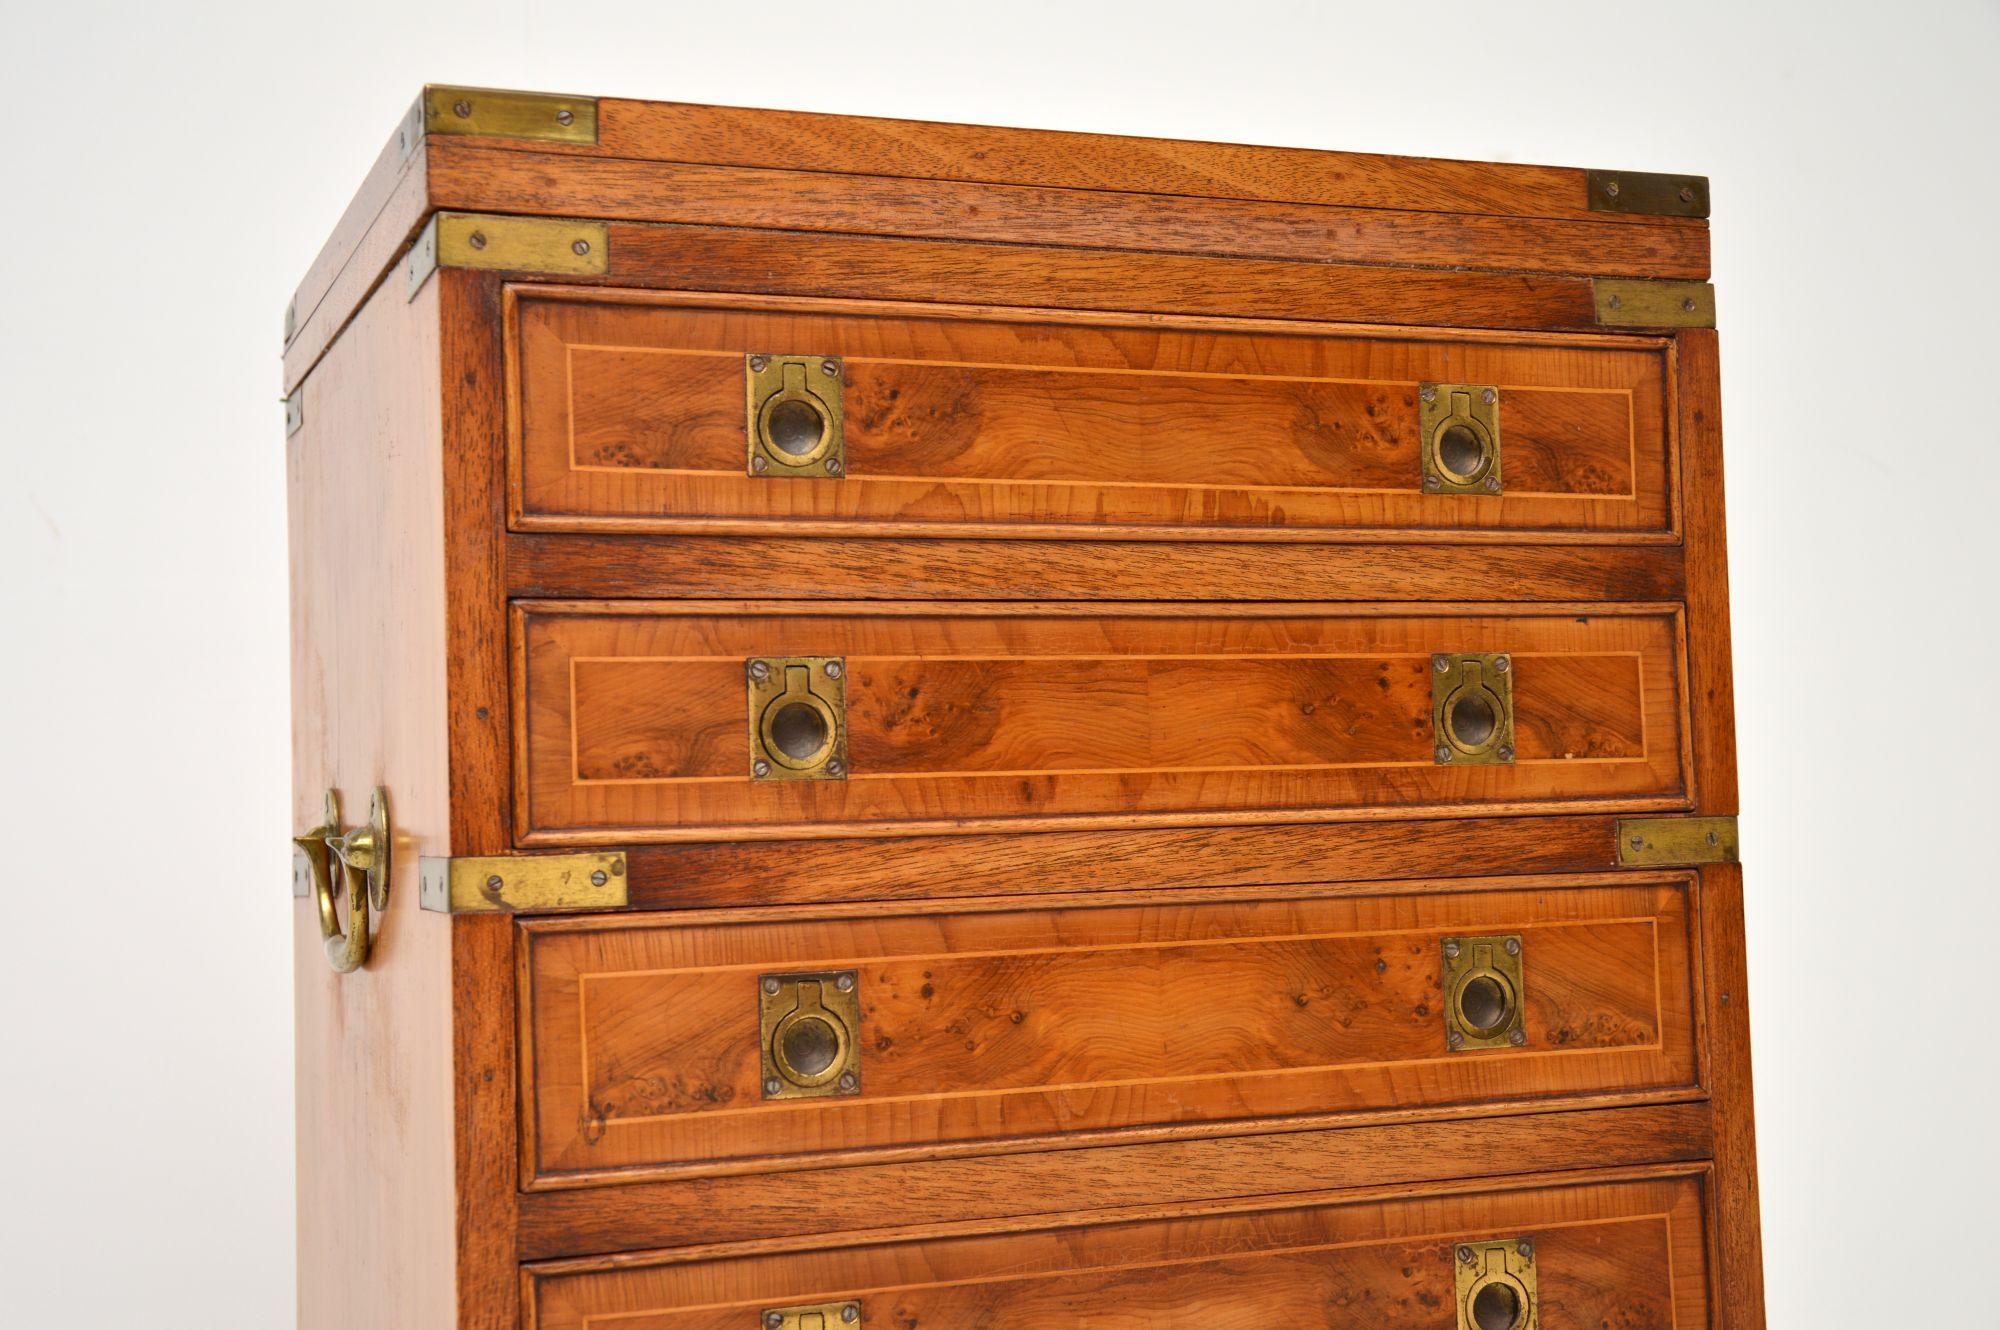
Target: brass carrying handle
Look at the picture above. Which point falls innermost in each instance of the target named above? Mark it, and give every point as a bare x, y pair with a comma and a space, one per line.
363, 858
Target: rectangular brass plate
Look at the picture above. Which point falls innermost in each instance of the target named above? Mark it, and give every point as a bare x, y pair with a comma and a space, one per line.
1472, 708
794, 423
498, 113
819, 1316
1637, 303
523, 883
1459, 426
818, 1014
1642, 192
544, 246
1485, 992
1653, 842
1510, 1263
798, 717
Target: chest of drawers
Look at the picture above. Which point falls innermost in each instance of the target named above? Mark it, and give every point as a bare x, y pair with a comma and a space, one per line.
905, 725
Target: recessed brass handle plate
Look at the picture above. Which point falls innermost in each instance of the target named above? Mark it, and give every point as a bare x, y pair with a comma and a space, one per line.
798, 717
1472, 708
818, 1316
1484, 992
809, 1028
1496, 1285
1459, 424
362, 858
795, 422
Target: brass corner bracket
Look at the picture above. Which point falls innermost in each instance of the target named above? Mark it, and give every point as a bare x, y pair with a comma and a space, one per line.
1640, 303
1644, 193
1675, 842
523, 883
503, 114
539, 246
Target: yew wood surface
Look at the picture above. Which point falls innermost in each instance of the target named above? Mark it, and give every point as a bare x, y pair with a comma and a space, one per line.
375, 1186
478, 176
632, 415
979, 1023
1609, 1250
634, 716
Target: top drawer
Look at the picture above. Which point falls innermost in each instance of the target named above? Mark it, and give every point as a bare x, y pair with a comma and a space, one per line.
634, 412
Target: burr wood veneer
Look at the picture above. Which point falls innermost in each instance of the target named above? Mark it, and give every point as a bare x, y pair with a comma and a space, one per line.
988, 726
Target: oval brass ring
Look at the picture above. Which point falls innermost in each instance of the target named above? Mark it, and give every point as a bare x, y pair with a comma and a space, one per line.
1510, 999
766, 726
810, 1010
769, 440
1482, 438
1494, 703
1522, 1301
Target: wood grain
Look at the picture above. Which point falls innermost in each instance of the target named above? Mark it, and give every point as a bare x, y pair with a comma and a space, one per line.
477, 176
363, 472
633, 416
984, 1024
634, 716
1607, 1252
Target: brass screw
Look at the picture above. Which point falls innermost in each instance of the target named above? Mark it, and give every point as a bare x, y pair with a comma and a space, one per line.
833, 669
1441, 663
1638, 842
845, 983
772, 1086
1454, 1040
851, 1313
759, 464
760, 670
1513, 945
1451, 948
849, 1081
1505, 754
758, 362
830, 368
1687, 304
833, 466
1517, 1037
1501, 664
1526, 1249
770, 985
461, 108
1465, 1254
565, 117
599, 878
477, 240
1428, 392
774, 1319
494, 883
1433, 484
760, 769
1443, 753
1714, 839
1611, 189
581, 247
1687, 193
1615, 302
1489, 396
834, 766
1493, 484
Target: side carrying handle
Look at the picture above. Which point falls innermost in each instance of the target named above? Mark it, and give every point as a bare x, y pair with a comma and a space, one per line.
362, 855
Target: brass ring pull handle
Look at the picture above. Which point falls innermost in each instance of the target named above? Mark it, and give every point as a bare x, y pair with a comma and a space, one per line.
362, 856
1497, 1285
810, 1027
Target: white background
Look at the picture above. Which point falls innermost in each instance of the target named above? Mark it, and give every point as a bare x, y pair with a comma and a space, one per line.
171, 169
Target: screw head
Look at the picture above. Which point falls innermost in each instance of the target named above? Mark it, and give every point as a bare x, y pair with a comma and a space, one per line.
1687, 193
1687, 304
1526, 1249
774, 1319
1502, 664
1428, 392
760, 768
1513, 946
565, 117
770, 985
477, 240
759, 362
1441, 662
1489, 395
759, 464
1443, 753
760, 670
830, 368
580, 247
1615, 301
599, 878
1638, 842
1492, 484
1611, 189
1505, 754
833, 466
1451, 948
845, 983
1517, 1037
833, 669
1433, 484
772, 1086
849, 1081
1454, 1040
1465, 1254
851, 1313
494, 883
461, 108
834, 766
1714, 839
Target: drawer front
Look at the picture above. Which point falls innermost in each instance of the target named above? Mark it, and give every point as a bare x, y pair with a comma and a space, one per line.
646, 1048
636, 416
1604, 1253
637, 723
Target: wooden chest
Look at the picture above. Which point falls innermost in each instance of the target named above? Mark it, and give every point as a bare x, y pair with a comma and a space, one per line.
904, 725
